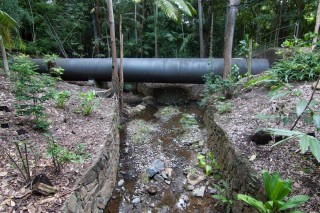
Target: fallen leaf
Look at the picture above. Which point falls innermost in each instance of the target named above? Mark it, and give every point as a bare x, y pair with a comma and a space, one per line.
50, 199
3, 174
253, 157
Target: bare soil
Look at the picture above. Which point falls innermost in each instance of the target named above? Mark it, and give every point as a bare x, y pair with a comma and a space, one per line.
242, 122
74, 131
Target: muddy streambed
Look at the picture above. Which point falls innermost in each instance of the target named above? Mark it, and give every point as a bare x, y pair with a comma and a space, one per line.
158, 169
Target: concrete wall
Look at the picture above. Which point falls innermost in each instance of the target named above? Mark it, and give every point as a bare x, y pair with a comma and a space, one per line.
235, 169
93, 191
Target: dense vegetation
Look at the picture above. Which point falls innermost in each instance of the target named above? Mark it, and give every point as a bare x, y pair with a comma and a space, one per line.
73, 28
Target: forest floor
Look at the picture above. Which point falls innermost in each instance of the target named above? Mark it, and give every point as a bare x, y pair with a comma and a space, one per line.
242, 122
82, 135
85, 134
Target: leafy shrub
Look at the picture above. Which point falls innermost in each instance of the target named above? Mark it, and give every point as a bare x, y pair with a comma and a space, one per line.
222, 195
32, 90
223, 107
277, 190
88, 102
60, 155
61, 99
221, 89
53, 70
300, 67
208, 162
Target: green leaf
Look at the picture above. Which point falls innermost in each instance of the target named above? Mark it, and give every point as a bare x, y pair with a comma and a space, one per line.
294, 202
315, 148
253, 202
301, 106
281, 142
304, 141
283, 132
279, 94
316, 120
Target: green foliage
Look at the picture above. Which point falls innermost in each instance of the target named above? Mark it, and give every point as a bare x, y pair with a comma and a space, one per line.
300, 67
220, 89
187, 121
223, 107
243, 48
88, 102
32, 90
127, 87
277, 191
61, 156
207, 162
222, 195
62, 98
175, 8
306, 142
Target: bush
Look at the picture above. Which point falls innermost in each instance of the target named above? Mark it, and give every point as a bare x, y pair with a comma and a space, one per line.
300, 67
220, 89
32, 90
277, 190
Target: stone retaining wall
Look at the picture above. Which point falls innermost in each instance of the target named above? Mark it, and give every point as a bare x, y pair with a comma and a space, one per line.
93, 191
236, 169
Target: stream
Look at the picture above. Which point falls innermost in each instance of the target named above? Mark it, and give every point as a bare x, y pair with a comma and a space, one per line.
158, 169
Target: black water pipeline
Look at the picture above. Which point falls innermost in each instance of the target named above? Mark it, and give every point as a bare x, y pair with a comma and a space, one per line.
155, 70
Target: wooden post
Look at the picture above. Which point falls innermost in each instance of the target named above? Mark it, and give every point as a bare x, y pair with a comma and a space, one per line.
4, 58
250, 56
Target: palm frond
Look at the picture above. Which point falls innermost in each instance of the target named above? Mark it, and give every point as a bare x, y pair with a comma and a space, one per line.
186, 40
6, 21
169, 9
184, 7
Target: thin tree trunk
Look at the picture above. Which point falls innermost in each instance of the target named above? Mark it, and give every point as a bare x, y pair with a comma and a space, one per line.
135, 22
211, 38
107, 34
201, 29
229, 33
277, 35
121, 65
97, 10
156, 32
33, 27
144, 5
115, 77
4, 58
95, 33
316, 29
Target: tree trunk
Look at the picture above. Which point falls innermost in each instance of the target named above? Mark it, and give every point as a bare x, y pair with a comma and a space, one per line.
201, 29
4, 58
121, 65
115, 77
156, 31
95, 33
97, 10
211, 38
135, 22
229, 33
316, 29
33, 26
